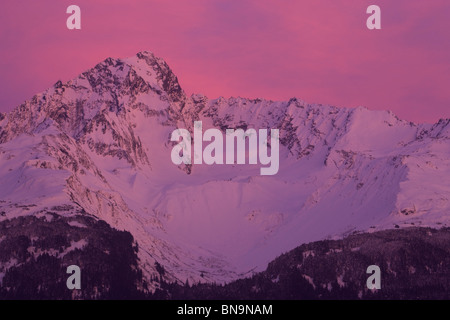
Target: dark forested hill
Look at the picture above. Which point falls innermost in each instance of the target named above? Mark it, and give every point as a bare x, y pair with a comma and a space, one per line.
414, 264
35, 252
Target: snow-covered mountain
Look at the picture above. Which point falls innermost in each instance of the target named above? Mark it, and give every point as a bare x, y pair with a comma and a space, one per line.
100, 145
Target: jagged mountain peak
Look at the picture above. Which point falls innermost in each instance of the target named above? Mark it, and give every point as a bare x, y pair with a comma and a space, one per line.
142, 70
101, 142
143, 82
163, 73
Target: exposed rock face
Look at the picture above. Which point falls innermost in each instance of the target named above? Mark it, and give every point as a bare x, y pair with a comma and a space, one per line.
100, 145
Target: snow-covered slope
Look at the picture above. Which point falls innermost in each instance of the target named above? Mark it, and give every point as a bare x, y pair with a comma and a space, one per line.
101, 143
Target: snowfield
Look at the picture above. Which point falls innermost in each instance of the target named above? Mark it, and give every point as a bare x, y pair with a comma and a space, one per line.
101, 144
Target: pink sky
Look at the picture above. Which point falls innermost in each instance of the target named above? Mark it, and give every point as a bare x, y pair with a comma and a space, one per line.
316, 50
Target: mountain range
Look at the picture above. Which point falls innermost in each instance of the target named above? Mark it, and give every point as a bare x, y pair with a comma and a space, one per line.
86, 168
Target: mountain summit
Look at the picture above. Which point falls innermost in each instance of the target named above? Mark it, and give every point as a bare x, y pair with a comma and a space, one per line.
98, 147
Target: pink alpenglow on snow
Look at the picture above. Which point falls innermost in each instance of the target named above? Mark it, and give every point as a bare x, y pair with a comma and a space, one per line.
102, 144
213, 153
